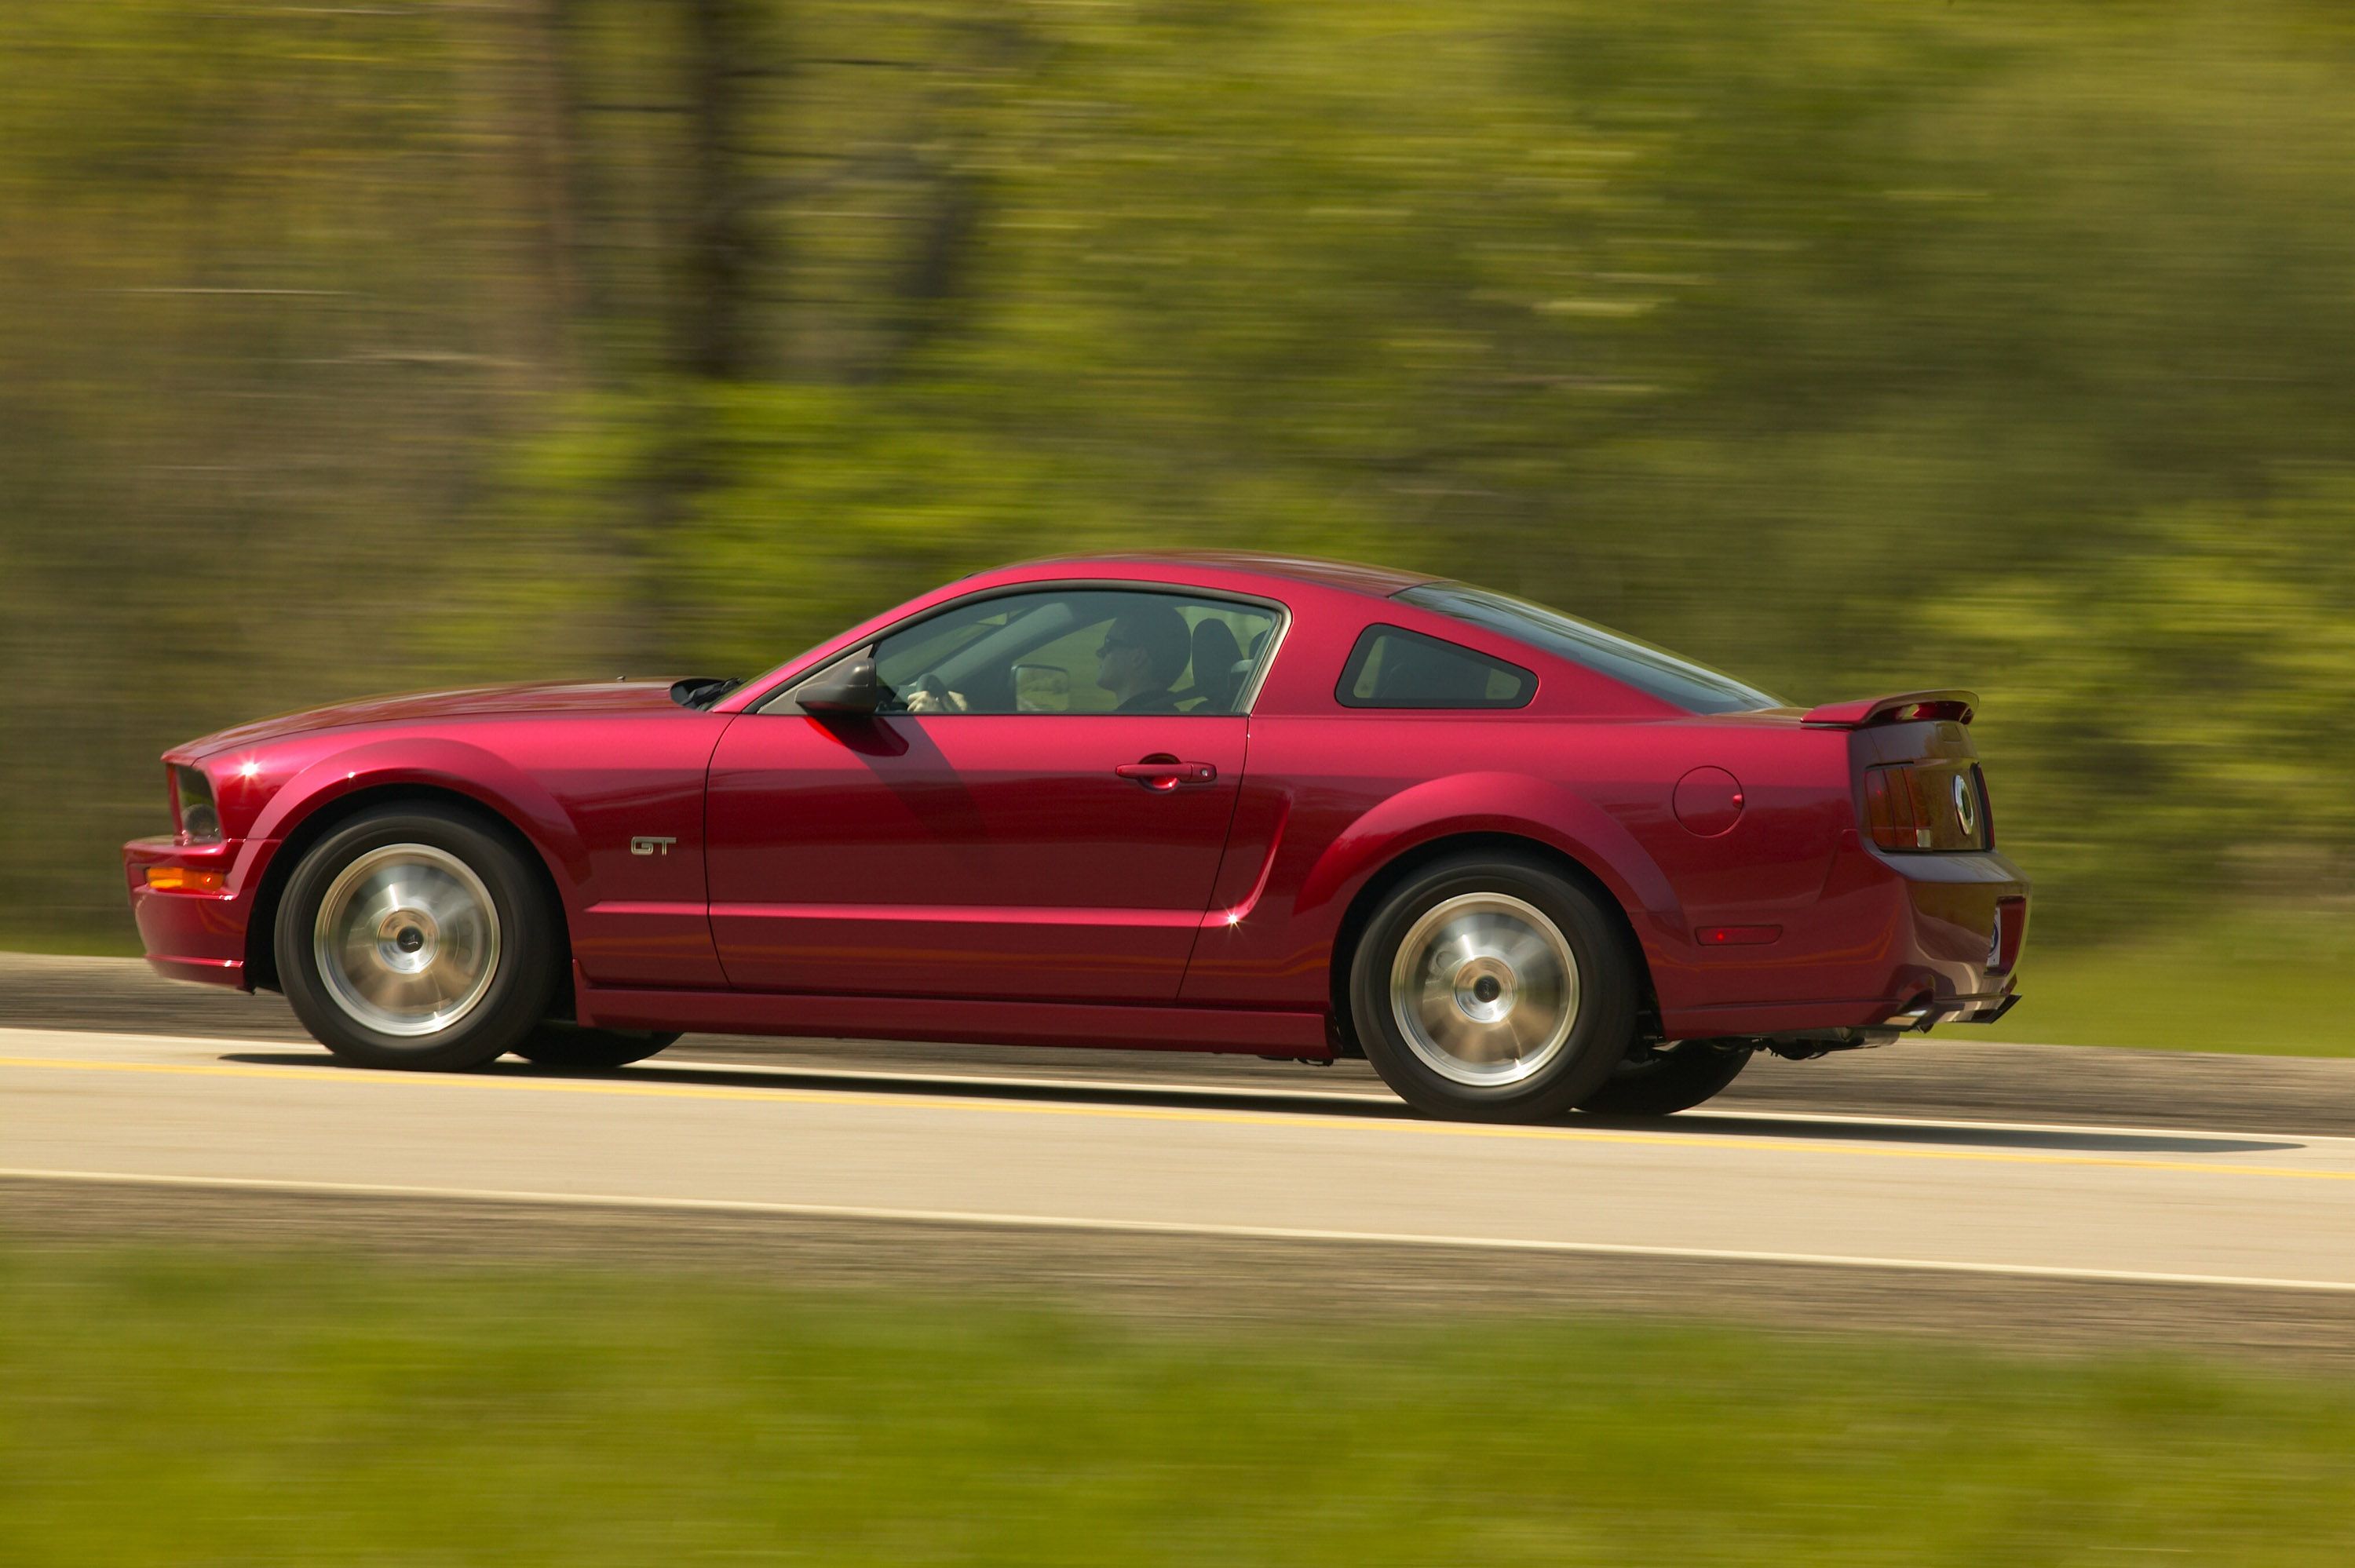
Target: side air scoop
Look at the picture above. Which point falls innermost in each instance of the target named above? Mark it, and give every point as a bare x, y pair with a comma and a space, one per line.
1906, 707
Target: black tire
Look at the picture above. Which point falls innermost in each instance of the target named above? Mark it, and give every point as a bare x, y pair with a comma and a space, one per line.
1592, 1023
1664, 1082
558, 1045
509, 986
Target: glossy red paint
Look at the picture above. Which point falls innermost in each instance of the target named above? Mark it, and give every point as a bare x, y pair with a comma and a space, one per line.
964, 875
972, 855
1708, 801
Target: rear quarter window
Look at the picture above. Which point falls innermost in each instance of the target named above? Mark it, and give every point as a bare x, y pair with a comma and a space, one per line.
1655, 672
1391, 667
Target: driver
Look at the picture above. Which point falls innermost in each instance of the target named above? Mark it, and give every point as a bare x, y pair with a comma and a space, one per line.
1141, 658
1143, 653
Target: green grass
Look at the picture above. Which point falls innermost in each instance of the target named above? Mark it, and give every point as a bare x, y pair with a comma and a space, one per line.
99, 939
2278, 984
180, 1409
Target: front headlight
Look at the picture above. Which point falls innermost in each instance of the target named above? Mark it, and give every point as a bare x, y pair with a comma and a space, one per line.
200, 820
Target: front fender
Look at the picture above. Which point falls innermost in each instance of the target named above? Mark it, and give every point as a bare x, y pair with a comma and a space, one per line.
482, 775
1509, 803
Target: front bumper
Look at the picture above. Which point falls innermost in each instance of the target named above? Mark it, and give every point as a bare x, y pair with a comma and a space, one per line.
196, 936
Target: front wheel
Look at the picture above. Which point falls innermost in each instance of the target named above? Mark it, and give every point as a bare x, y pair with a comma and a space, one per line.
1493, 990
416, 937
1673, 1078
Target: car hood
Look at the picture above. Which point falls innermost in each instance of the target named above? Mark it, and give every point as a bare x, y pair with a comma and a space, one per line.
465, 702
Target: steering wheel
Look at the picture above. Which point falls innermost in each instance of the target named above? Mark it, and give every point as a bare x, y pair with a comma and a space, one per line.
928, 684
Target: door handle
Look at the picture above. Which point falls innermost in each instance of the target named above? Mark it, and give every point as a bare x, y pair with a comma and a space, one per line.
1166, 772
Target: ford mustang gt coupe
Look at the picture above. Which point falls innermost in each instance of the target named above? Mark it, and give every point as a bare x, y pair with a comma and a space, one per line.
1519, 862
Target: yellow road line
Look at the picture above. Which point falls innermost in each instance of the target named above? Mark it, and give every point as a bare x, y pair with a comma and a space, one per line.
324, 1074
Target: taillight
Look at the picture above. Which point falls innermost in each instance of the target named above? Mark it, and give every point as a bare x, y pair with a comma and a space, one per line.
2010, 932
1891, 809
1917, 806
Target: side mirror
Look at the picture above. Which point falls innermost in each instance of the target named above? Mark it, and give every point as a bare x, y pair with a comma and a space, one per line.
850, 687
1042, 689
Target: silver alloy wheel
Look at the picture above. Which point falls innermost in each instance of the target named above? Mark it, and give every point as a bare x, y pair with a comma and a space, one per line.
1485, 989
407, 940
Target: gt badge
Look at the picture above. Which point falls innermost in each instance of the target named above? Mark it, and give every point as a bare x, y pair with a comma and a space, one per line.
651, 846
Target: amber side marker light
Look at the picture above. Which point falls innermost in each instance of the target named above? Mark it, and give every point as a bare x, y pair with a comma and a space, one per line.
180, 879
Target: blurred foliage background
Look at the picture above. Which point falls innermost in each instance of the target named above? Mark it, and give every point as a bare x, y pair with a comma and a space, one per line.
2006, 344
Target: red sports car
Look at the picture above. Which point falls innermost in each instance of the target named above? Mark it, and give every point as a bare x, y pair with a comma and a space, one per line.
1237, 803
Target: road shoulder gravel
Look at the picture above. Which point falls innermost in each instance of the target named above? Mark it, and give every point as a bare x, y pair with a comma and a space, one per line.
1203, 1280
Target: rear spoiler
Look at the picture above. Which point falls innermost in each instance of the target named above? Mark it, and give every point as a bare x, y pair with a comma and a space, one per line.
1906, 707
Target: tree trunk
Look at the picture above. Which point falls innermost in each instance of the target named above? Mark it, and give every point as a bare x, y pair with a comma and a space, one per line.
712, 335
714, 338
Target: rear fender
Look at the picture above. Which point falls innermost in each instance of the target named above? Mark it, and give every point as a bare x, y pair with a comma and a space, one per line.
1508, 803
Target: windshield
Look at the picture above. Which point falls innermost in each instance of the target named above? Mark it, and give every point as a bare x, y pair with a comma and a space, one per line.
1652, 671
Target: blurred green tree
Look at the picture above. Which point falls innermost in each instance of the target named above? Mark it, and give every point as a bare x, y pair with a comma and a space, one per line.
1849, 348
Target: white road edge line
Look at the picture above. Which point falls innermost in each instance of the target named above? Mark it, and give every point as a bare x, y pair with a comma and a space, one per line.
1162, 1227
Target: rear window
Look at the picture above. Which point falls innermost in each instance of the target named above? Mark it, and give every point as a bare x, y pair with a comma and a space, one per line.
1394, 668
1655, 672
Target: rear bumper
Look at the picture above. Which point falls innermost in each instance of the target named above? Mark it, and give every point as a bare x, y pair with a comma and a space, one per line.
196, 936
1897, 1012
1895, 941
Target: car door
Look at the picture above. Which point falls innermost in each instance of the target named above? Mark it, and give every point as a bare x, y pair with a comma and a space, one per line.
1016, 837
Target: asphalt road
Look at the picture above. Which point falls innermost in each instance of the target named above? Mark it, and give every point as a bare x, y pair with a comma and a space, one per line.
2080, 1202
1194, 1179
1951, 1074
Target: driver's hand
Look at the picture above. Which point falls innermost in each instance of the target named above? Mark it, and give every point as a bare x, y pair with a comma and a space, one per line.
926, 702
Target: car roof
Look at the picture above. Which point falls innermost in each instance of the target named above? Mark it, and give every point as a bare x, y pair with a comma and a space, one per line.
1381, 582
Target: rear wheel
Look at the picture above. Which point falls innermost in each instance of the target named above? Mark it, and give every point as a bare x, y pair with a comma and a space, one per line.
416, 937
1666, 1081
555, 1044
1492, 989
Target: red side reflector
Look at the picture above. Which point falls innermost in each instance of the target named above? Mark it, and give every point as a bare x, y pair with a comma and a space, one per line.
1736, 936
180, 879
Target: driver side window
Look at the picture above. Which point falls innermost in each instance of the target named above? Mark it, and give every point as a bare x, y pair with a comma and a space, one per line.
1077, 650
